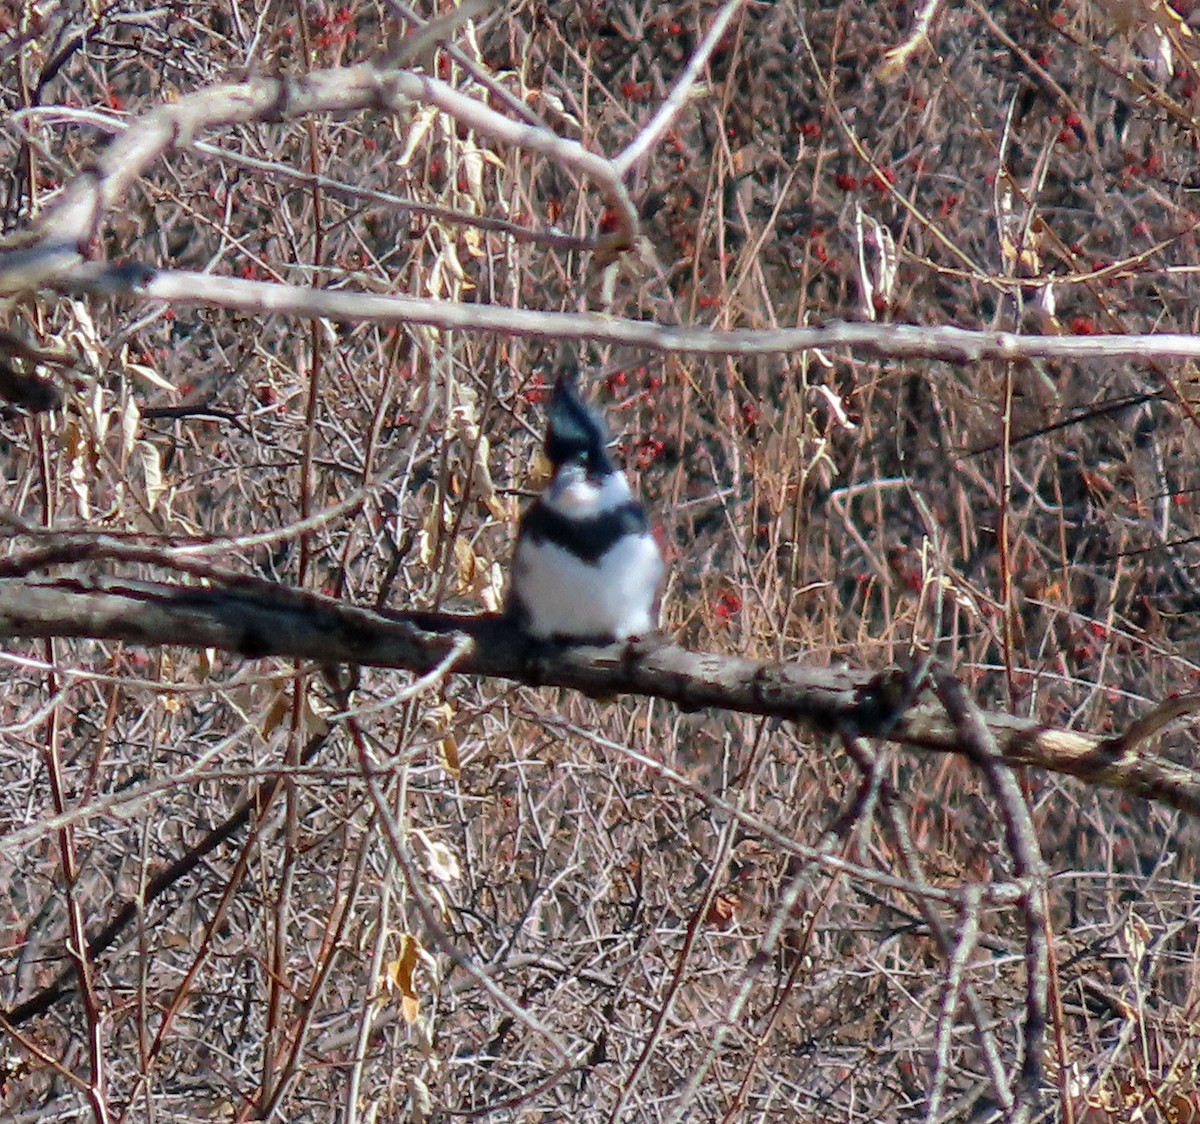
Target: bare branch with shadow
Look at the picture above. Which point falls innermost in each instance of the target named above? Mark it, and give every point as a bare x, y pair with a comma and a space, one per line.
255, 618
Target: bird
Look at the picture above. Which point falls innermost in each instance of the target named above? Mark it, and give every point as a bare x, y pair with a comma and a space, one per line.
586, 567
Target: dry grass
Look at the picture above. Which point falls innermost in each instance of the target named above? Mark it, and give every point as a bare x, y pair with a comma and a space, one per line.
624, 921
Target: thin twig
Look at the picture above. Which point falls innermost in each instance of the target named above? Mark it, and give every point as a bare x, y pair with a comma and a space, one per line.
913, 869
669, 110
1028, 867
964, 946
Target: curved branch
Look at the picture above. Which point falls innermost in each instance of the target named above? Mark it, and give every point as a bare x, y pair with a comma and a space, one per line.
73, 219
257, 619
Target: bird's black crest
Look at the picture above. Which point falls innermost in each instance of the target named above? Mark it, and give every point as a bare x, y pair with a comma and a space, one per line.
574, 433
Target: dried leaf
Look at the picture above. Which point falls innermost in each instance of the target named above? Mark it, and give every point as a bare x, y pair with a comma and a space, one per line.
101, 417
76, 447
131, 420
487, 486
151, 460
556, 105
1136, 935
428, 536
421, 1099
400, 975
466, 566
472, 163
277, 711
447, 276
721, 909
440, 860
472, 239
417, 132
150, 375
438, 718
315, 714
84, 335
492, 592
448, 755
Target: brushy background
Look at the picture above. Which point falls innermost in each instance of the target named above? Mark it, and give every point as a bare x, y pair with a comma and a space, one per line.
816, 507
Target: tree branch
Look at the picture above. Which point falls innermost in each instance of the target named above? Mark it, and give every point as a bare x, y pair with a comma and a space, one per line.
890, 341
76, 215
256, 619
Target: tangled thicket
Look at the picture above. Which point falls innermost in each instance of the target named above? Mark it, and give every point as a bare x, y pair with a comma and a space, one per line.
489, 901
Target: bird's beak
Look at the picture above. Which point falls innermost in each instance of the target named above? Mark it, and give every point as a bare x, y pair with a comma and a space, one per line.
572, 492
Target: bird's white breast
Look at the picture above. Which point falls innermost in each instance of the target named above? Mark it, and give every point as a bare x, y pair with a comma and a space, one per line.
564, 596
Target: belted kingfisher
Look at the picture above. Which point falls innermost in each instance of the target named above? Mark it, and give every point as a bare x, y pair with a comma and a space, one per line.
586, 566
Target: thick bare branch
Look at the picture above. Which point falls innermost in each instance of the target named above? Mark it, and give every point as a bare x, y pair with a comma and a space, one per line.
260, 620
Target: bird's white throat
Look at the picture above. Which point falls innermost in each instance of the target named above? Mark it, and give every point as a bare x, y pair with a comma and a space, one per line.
574, 496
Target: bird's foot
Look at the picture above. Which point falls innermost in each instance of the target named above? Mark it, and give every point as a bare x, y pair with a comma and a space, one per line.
637, 648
